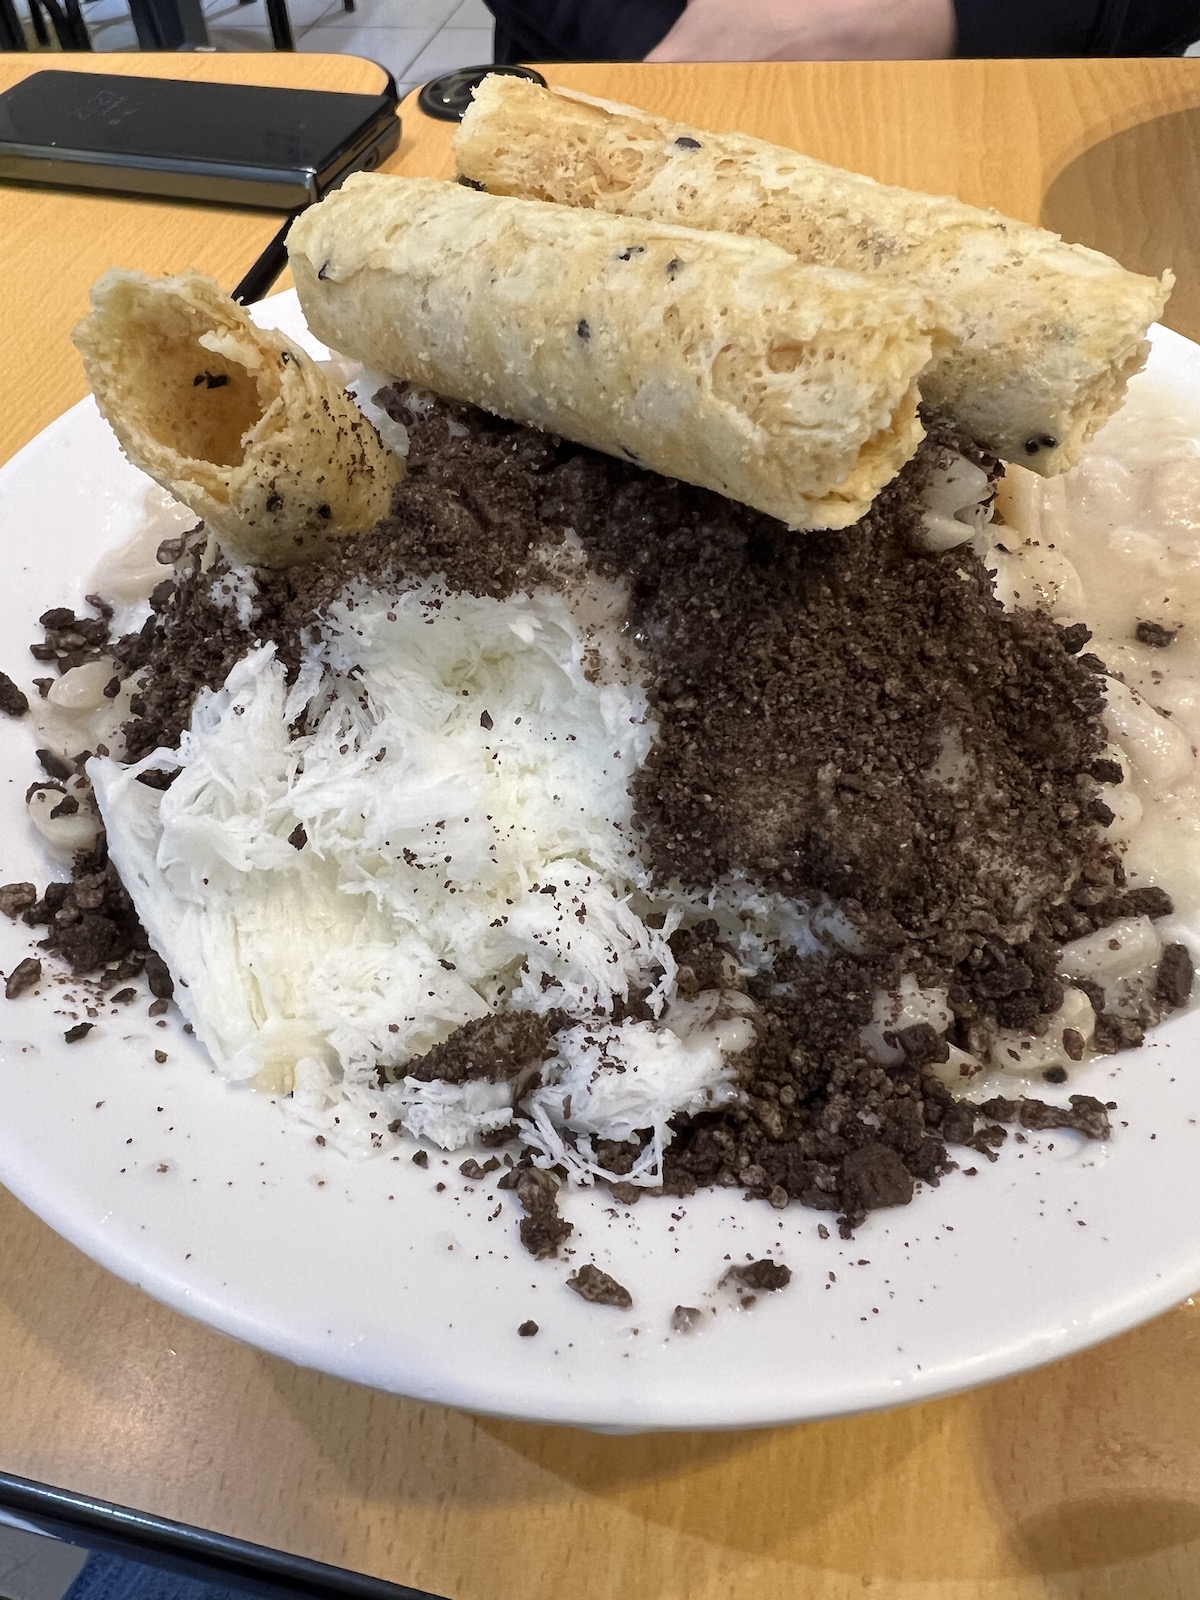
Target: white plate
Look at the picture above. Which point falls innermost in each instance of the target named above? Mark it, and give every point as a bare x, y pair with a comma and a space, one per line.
203, 1197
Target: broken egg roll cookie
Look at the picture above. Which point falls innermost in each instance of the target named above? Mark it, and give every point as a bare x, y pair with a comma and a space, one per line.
1043, 335
233, 420
702, 356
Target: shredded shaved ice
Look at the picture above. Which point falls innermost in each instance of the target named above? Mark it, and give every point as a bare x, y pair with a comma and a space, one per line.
431, 823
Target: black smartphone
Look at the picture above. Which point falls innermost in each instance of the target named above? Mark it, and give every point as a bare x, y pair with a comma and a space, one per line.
226, 143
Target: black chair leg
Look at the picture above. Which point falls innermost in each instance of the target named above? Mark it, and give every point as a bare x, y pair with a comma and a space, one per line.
168, 24
58, 22
281, 25
37, 18
12, 34
67, 21
78, 27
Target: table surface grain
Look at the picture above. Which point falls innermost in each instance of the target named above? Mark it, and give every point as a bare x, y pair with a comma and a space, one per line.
1077, 1482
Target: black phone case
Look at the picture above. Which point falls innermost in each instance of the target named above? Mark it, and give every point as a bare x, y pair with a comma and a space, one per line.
227, 144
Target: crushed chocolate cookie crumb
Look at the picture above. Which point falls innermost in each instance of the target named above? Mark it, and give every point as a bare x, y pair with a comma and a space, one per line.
158, 777
1149, 902
16, 898
874, 1175
542, 1229
170, 550
493, 1138
751, 625
1086, 1115
420, 1158
1155, 635
1093, 991
54, 766
527, 1330
496, 1047
90, 921
471, 1168
1075, 637
1175, 977
592, 1284
79, 1031
158, 976
759, 1277
1114, 1032
13, 701
22, 977
922, 1045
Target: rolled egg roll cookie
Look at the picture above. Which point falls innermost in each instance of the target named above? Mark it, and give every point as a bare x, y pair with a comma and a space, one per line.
702, 356
1043, 336
236, 422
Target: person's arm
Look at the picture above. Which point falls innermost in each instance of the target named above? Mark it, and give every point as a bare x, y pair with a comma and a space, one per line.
810, 30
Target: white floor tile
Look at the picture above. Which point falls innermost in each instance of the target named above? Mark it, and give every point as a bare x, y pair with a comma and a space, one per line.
453, 47
407, 14
253, 34
472, 14
97, 11
313, 14
393, 48
227, 15
118, 35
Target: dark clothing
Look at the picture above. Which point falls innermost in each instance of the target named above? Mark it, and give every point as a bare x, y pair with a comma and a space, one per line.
625, 30
1076, 27
580, 30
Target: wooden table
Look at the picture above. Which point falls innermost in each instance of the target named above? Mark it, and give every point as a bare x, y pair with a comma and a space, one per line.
1082, 1480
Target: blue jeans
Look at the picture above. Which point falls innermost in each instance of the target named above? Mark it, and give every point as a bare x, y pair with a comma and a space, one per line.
108, 1577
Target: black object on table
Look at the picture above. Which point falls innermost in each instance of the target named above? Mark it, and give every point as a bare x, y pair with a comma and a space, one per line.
448, 97
226, 143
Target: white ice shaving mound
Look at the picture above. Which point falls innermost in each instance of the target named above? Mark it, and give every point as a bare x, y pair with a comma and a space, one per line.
431, 824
